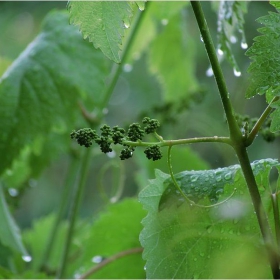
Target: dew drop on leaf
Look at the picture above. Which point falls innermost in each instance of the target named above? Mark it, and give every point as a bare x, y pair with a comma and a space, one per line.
201, 39
97, 259
27, 258
228, 176
126, 25
194, 178
219, 178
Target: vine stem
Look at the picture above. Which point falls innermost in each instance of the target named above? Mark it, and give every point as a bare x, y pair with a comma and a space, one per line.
74, 208
238, 140
111, 259
260, 122
62, 209
192, 203
162, 143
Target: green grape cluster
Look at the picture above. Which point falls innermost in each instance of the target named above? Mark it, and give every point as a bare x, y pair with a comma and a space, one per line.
119, 136
153, 152
247, 123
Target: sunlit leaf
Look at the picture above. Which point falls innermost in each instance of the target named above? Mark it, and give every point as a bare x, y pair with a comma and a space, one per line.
103, 23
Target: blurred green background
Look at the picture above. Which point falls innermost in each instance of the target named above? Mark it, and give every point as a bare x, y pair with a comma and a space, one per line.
137, 93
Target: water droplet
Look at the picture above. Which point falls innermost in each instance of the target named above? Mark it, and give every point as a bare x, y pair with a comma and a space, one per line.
105, 111
164, 21
127, 67
27, 258
97, 259
219, 191
201, 254
13, 192
219, 178
194, 178
244, 45
9, 172
220, 52
32, 183
236, 73
126, 25
228, 176
195, 259
145, 267
201, 39
141, 8
209, 72
111, 154
233, 39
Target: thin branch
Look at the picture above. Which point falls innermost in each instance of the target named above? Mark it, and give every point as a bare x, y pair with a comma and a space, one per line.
109, 260
192, 203
74, 208
260, 122
275, 207
164, 143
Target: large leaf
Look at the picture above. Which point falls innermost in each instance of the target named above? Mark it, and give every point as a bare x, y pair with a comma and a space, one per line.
40, 91
103, 23
9, 231
265, 56
172, 48
185, 241
265, 65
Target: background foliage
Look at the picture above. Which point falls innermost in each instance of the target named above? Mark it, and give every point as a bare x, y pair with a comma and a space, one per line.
56, 77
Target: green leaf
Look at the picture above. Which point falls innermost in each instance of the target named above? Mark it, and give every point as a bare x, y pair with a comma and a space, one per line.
115, 230
40, 91
230, 20
103, 23
9, 232
276, 4
265, 56
184, 241
171, 48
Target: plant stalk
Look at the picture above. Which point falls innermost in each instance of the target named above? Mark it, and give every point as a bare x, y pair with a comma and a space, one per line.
260, 122
218, 74
237, 140
74, 209
71, 174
